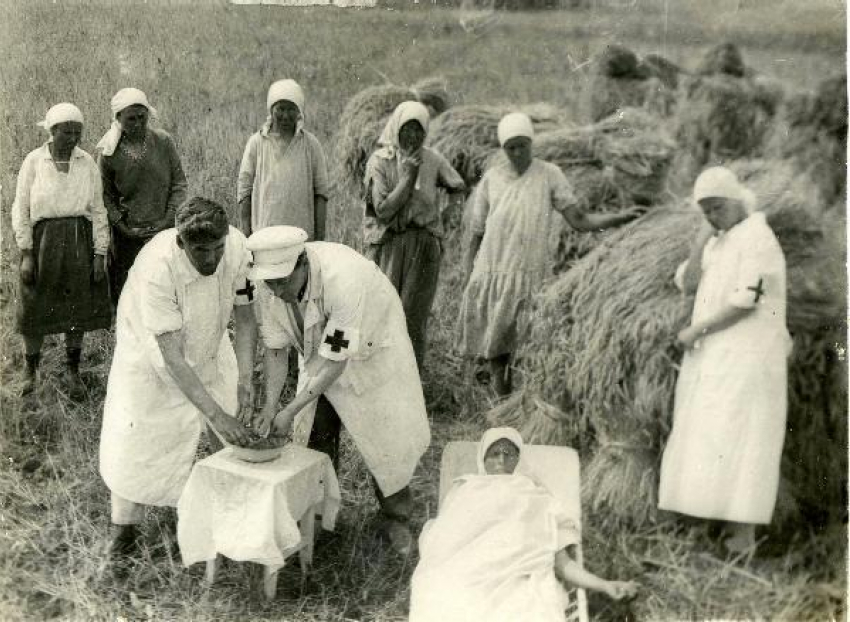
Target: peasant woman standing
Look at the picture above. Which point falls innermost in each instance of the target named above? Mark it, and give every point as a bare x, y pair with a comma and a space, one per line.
61, 229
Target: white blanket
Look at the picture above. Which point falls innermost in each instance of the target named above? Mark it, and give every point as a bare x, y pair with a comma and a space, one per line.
490, 554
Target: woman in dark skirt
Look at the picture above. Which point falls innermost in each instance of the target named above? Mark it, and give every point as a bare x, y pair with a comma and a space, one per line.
62, 231
143, 181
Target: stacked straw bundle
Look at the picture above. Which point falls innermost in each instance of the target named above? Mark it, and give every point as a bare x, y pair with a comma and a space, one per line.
724, 112
620, 79
602, 348
811, 132
365, 115
720, 118
466, 135
618, 162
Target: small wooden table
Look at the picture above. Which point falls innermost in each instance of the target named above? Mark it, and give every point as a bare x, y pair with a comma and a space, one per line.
258, 512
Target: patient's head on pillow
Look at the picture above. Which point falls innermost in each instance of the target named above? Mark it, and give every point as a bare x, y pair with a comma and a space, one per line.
499, 451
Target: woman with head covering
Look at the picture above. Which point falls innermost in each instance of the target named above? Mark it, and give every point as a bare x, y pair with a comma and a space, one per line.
143, 180
61, 229
283, 179
508, 253
722, 458
403, 226
499, 546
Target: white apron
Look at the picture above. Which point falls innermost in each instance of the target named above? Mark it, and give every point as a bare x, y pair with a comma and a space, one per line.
723, 456
379, 395
150, 429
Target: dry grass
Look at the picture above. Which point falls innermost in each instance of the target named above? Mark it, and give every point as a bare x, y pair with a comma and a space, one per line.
206, 67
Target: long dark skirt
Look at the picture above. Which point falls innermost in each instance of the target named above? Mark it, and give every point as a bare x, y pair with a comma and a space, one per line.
65, 296
122, 255
411, 261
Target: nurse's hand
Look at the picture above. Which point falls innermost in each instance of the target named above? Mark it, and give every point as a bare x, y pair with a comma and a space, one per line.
618, 590
245, 393
231, 430
688, 336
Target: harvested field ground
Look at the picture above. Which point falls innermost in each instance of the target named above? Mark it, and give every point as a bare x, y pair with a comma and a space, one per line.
206, 67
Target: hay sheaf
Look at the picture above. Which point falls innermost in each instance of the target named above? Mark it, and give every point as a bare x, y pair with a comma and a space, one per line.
601, 347
621, 161
811, 132
720, 118
466, 135
365, 115
620, 79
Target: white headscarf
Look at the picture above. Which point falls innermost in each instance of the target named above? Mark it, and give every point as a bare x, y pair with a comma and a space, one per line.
514, 124
496, 434
720, 182
284, 90
404, 112
61, 113
121, 100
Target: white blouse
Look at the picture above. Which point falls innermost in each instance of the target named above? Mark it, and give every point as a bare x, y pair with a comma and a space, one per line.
44, 192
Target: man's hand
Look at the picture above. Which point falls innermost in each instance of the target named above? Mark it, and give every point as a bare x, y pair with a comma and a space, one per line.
230, 429
28, 267
245, 393
99, 268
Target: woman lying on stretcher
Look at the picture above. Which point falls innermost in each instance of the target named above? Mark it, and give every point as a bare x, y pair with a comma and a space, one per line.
499, 547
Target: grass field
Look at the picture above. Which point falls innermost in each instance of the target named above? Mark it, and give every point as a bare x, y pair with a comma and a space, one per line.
206, 67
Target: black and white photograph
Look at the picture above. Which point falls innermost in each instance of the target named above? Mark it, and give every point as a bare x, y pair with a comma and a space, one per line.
423, 310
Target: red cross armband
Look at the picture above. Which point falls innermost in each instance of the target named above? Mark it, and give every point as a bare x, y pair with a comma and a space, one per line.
246, 292
339, 342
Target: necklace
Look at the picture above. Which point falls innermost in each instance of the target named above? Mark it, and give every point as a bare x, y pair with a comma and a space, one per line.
135, 153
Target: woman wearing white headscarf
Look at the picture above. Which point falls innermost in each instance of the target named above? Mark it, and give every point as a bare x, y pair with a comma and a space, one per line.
403, 226
508, 256
143, 180
498, 548
61, 229
283, 178
722, 458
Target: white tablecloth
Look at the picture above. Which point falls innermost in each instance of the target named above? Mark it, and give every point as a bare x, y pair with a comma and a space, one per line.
247, 511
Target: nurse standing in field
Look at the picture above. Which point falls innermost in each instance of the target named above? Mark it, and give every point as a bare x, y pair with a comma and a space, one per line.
723, 455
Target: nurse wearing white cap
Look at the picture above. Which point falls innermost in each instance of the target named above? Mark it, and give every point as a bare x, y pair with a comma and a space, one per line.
357, 366
722, 458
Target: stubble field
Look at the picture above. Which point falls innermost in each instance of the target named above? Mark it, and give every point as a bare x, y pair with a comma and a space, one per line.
206, 67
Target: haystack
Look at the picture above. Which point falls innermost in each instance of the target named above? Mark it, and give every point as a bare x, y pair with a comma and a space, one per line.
466, 135
621, 161
723, 59
720, 118
365, 115
811, 132
619, 79
602, 348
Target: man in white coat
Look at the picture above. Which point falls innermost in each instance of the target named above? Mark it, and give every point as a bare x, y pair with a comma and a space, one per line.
723, 455
357, 365
174, 366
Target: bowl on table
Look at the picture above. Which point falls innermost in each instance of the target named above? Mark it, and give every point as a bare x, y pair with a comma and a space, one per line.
259, 449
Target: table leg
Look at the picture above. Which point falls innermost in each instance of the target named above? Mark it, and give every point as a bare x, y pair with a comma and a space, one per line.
269, 582
212, 566
308, 530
